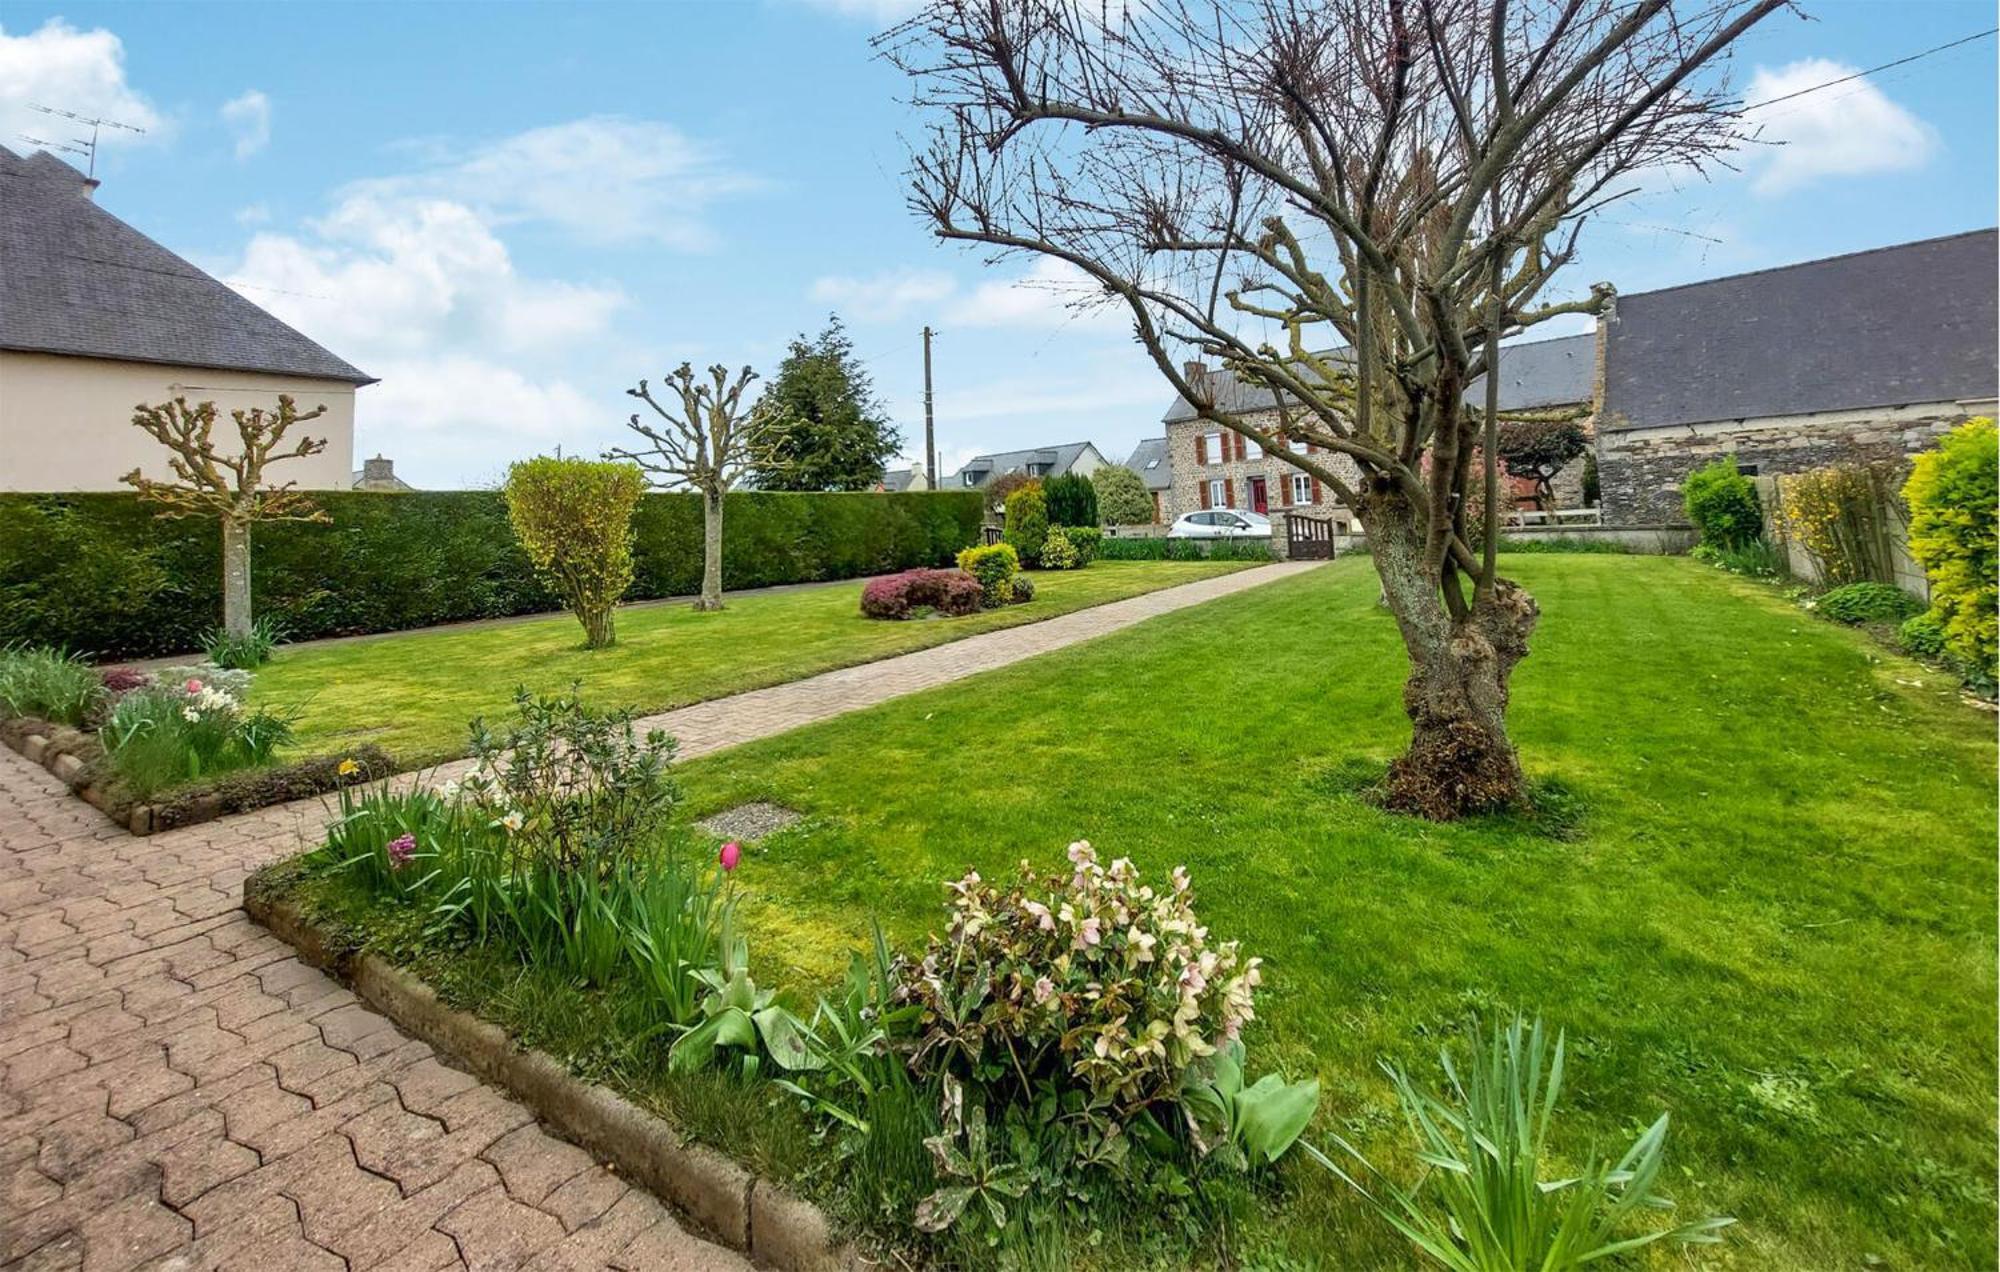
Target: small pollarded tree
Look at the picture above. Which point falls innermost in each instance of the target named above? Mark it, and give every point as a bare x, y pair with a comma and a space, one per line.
1538, 449
708, 439
1347, 203
228, 484
574, 520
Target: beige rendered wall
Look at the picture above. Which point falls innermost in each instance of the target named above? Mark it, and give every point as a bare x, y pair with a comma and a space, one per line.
66, 423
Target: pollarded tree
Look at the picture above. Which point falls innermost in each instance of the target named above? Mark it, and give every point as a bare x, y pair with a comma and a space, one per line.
1399, 179
1538, 449
709, 440
228, 486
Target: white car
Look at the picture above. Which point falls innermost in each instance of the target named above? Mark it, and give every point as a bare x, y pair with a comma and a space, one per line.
1220, 523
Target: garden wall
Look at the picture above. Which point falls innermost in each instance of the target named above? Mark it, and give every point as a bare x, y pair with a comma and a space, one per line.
102, 574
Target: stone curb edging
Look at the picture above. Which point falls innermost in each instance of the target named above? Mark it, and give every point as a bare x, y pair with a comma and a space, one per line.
49, 746
725, 1199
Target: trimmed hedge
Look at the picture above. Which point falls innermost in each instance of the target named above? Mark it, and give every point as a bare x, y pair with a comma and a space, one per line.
99, 572
1160, 549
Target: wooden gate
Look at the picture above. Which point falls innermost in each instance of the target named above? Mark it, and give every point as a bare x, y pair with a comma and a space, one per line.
1308, 538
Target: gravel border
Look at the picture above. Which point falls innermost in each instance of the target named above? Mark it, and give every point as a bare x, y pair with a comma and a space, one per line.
725, 1200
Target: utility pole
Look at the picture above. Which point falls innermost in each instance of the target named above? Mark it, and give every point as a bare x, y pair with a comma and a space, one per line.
930, 427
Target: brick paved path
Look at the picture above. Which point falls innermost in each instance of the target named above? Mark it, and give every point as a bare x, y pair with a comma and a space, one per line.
178, 1092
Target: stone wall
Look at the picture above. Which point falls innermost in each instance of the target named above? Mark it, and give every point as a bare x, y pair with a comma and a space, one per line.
1639, 471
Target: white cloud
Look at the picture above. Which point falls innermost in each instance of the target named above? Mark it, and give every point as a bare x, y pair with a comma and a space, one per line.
258, 213
885, 297
1850, 131
79, 71
880, 12
248, 119
605, 179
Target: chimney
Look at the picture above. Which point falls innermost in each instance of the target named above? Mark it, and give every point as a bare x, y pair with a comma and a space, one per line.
90, 185
377, 472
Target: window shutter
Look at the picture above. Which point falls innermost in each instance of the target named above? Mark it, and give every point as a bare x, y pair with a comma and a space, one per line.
1200, 450
1235, 441
1315, 482
1202, 486
1156, 507
1229, 492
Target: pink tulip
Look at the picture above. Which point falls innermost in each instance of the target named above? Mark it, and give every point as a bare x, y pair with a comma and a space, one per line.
193, 686
731, 854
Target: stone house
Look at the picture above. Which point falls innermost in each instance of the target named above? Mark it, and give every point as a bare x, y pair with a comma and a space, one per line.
896, 480
1149, 460
95, 317
1213, 467
1080, 458
1854, 358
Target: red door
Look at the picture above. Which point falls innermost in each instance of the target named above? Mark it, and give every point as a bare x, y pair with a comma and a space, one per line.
1259, 499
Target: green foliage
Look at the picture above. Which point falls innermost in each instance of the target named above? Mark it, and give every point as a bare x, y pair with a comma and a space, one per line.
1058, 553
1539, 449
1256, 1124
1722, 503
828, 430
574, 518
99, 573
1954, 499
1122, 497
246, 652
1087, 540
1922, 635
737, 1015
1757, 559
59, 687
1867, 603
1071, 500
1604, 546
996, 566
1493, 1199
1160, 548
187, 727
1027, 523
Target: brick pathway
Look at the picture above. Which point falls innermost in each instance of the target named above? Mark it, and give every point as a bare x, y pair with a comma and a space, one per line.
178, 1092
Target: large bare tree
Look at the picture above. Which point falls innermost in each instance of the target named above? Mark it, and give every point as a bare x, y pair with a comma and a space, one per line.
706, 440
1397, 181
228, 484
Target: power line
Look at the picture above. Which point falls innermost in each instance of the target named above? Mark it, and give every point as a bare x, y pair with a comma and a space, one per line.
1873, 70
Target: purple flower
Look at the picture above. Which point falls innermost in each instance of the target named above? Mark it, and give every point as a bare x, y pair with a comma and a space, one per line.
401, 849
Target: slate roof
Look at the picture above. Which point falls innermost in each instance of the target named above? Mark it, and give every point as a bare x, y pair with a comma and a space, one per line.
1533, 373
1149, 460
898, 479
75, 279
990, 466
1887, 327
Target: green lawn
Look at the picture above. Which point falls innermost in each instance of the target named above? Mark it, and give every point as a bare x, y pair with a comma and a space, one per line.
414, 693
1772, 916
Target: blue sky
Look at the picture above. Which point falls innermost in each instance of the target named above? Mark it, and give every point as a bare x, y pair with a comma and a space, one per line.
511, 212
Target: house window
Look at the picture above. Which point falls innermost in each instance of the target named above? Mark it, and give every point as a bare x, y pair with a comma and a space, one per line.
1255, 448
1748, 470
1302, 488
1212, 447
1039, 470
1218, 493
1296, 446
1152, 464
971, 478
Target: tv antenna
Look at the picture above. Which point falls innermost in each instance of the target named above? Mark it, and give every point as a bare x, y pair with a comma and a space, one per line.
78, 146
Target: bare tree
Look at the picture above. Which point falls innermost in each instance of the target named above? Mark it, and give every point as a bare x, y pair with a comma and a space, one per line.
709, 440
228, 487
1397, 179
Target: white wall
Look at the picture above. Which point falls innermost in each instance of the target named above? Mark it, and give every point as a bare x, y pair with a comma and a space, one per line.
66, 423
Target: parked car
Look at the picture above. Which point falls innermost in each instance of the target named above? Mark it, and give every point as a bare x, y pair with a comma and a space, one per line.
1220, 523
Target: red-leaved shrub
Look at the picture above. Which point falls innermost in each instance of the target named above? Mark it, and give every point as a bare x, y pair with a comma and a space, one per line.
125, 679
951, 592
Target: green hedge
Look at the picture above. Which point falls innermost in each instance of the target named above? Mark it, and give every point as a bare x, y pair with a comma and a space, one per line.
1162, 549
101, 573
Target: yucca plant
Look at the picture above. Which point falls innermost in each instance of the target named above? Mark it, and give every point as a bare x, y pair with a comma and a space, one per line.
1483, 1203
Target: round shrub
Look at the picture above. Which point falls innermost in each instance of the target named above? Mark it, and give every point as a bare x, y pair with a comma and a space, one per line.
996, 566
1922, 635
1954, 498
898, 596
1027, 523
1722, 503
1024, 589
1058, 553
1086, 540
1868, 603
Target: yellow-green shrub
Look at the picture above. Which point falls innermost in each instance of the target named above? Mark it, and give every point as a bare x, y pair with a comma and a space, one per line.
574, 520
1952, 494
1841, 516
995, 566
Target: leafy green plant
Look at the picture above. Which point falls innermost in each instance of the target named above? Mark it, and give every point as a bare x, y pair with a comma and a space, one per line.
976, 1171
245, 652
996, 566
57, 686
1485, 1202
1122, 497
574, 519
1086, 540
1922, 635
736, 1014
1867, 603
1757, 559
182, 728
1071, 500
1255, 1124
1058, 553
1027, 523
1723, 505
1954, 499
1162, 549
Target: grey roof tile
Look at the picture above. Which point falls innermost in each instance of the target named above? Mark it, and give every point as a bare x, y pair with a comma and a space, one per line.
75, 279
1149, 459
991, 466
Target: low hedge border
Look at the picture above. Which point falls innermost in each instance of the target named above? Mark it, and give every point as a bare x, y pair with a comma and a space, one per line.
76, 758
726, 1200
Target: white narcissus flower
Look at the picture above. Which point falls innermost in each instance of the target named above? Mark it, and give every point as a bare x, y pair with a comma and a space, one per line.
513, 820
190, 715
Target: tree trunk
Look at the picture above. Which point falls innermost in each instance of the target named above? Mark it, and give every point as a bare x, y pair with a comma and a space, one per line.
599, 626
711, 551
235, 576
1460, 760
